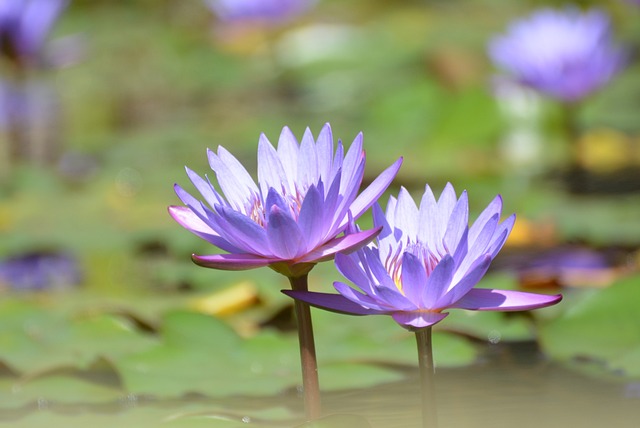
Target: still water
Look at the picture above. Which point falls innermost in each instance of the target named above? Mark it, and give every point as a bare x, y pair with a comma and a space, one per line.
512, 387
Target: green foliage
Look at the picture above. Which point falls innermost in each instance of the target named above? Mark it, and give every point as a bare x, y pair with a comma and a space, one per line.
599, 326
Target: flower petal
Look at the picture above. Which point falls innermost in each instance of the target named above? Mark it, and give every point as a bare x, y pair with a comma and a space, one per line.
271, 173
234, 180
438, 283
232, 261
330, 302
350, 268
406, 213
288, 152
416, 320
494, 208
486, 299
371, 194
344, 244
311, 219
393, 298
324, 151
242, 232
413, 277
501, 234
308, 161
190, 221
461, 288
458, 222
205, 188
285, 239
364, 300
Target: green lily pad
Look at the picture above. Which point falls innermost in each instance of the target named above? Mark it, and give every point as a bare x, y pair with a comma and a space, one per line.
33, 338
57, 388
379, 339
489, 326
202, 354
601, 325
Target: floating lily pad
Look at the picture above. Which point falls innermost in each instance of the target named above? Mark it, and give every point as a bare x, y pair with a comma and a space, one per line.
34, 338
601, 325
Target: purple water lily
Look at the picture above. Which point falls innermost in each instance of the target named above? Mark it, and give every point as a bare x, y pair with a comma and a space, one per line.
427, 260
293, 217
267, 11
25, 25
566, 54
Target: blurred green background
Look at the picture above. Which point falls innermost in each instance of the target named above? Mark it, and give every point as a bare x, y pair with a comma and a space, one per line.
146, 336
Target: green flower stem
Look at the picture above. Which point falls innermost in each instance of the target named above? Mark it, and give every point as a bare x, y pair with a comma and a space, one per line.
427, 378
310, 384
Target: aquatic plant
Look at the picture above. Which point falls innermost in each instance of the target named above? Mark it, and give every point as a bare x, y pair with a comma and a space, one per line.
427, 260
565, 54
265, 11
291, 220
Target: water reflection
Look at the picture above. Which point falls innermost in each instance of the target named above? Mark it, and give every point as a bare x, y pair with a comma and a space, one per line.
513, 387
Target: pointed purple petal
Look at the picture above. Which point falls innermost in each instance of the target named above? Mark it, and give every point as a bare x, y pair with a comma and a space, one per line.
324, 151
393, 298
285, 239
416, 320
413, 278
187, 219
427, 224
438, 283
310, 218
330, 302
349, 267
232, 261
308, 161
288, 151
486, 299
457, 223
353, 160
494, 207
271, 172
204, 187
461, 288
364, 300
501, 234
371, 194
406, 213
344, 244
234, 180
243, 232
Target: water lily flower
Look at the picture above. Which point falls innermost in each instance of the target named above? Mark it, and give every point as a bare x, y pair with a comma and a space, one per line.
266, 11
293, 217
565, 54
40, 270
427, 260
25, 25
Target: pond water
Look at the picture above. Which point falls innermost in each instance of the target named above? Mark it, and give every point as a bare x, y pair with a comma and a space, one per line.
513, 387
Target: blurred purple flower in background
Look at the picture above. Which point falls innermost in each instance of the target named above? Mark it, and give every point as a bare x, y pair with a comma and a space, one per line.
292, 218
40, 270
24, 27
566, 54
265, 11
427, 260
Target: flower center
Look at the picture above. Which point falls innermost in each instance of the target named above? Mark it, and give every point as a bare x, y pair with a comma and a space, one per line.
429, 258
257, 210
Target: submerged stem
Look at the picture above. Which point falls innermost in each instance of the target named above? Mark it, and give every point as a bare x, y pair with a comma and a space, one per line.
310, 384
427, 378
